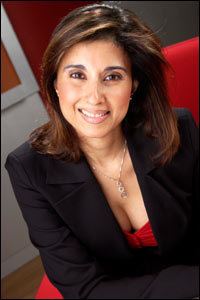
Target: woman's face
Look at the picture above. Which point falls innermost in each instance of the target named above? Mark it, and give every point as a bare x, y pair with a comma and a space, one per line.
94, 85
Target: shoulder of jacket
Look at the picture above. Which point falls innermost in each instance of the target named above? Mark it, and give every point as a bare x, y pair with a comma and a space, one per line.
25, 153
24, 149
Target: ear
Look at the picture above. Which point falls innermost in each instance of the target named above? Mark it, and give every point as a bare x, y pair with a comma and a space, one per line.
55, 86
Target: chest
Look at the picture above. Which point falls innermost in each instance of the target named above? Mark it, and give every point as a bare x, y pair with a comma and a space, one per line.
130, 212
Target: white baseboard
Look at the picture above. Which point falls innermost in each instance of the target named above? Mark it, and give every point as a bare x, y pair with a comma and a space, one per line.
16, 261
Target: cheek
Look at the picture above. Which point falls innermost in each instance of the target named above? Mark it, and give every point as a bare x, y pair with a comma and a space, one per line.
121, 95
68, 93
67, 98
123, 100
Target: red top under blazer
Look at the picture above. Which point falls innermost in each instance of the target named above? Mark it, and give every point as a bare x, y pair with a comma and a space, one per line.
141, 238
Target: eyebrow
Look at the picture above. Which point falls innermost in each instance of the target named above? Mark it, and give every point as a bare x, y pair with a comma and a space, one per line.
109, 68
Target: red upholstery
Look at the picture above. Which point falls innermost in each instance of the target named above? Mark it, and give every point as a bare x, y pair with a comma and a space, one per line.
183, 85
47, 290
183, 91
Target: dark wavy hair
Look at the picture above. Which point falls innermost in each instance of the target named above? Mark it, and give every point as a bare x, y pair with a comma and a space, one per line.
151, 106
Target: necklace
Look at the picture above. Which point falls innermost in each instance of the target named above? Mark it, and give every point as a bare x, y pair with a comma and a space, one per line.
119, 184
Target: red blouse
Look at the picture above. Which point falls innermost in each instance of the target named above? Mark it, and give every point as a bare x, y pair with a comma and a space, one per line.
141, 238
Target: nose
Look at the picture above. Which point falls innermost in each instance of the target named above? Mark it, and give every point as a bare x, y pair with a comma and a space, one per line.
95, 96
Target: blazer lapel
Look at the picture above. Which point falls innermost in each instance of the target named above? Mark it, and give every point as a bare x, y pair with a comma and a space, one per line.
86, 211
167, 217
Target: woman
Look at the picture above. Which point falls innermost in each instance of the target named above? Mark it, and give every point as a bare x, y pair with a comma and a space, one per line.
108, 187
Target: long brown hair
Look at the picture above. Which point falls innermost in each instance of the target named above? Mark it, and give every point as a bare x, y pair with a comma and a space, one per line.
150, 107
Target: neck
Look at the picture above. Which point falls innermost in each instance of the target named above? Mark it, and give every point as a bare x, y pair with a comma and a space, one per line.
105, 151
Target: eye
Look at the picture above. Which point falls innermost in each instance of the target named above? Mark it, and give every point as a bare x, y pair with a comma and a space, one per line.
76, 75
115, 76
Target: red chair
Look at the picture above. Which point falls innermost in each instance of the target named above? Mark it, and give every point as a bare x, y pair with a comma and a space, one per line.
47, 290
183, 92
183, 85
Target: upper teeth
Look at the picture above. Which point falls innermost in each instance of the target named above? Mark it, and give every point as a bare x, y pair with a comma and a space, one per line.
92, 115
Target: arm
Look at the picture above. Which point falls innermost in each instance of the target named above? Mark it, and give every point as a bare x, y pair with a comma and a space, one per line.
193, 132
68, 264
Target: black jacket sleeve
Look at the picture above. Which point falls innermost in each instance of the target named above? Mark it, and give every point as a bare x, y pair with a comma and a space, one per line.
193, 131
67, 263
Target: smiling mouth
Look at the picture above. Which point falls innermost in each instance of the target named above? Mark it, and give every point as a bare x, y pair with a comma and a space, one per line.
94, 118
93, 115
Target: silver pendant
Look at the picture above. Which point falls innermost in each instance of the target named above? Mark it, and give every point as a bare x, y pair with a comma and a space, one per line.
121, 189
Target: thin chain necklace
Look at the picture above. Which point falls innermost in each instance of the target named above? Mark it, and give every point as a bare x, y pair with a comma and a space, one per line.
119, 184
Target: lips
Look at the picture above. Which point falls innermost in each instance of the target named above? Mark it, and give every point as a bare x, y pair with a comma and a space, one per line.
95, 118
94, 114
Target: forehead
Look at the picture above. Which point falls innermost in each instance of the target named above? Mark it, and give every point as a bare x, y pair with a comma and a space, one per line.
99, 52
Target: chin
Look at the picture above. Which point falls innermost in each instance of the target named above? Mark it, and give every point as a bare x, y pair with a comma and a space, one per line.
93, 133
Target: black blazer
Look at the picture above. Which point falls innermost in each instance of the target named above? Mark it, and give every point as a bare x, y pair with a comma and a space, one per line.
84, 252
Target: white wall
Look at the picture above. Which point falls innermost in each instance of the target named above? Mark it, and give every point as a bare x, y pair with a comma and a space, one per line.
17, 122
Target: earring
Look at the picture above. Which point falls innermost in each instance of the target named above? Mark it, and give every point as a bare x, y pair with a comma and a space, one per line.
57, 92
131, 97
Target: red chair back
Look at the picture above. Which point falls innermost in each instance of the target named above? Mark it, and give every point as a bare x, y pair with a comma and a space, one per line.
183, 85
